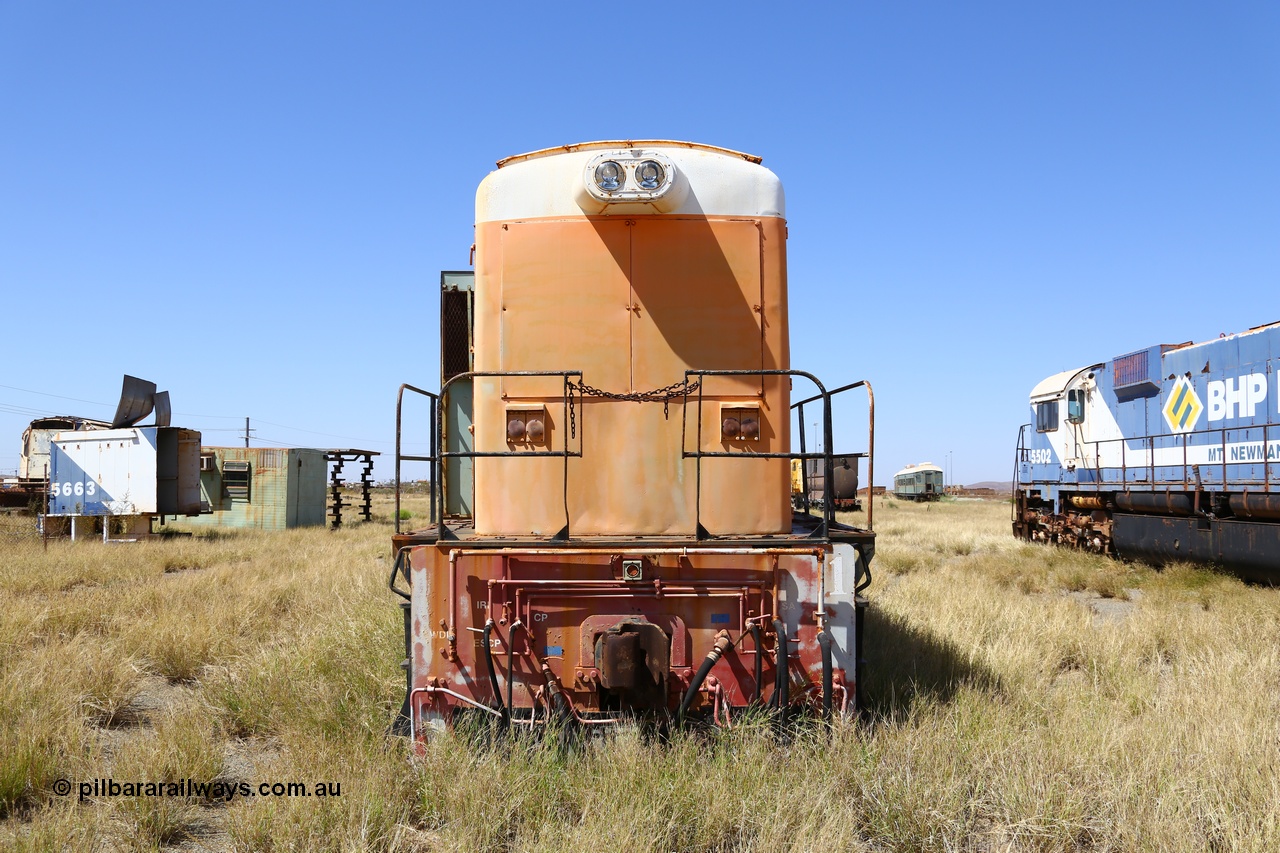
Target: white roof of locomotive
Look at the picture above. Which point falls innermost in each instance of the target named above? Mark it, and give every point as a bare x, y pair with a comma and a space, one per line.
546, 183
1053, 387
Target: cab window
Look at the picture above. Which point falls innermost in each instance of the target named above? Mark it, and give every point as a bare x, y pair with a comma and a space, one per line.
1075, 406
1047, 416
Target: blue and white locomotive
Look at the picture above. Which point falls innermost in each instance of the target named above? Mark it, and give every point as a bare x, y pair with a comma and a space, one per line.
1168, 453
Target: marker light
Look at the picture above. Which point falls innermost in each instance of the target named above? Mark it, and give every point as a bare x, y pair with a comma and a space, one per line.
535, 430
609, 176
730, 428
515, 429
649, 175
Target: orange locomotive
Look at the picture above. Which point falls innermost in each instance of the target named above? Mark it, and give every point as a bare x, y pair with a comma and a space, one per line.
611, 451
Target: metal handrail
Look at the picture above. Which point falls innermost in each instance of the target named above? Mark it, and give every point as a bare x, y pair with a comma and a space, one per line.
828, 511
435, 407
871, 445
438, 454
1149, 446
438, 437
1018, 453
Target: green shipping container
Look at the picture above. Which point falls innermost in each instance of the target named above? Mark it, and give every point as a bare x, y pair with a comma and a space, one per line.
270, 488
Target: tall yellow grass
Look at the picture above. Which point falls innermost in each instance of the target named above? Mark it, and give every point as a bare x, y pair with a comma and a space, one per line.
1022, 698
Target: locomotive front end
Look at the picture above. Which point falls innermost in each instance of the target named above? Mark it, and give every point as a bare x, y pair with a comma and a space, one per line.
612, 446
1168, 453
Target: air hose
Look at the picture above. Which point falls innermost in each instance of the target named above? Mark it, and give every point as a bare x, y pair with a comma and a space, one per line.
493, 673
563, 708
511, 665
755, 638
859, 614
824, 641
782, 681
864, 572
722, 645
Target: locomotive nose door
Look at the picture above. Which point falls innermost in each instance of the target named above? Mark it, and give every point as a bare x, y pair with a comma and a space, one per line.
697, 290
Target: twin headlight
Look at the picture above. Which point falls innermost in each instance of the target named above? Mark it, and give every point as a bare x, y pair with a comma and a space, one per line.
622, 177
610, 176
650, 175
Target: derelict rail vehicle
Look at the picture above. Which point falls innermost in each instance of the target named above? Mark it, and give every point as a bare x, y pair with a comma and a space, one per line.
1168, 453
921, 482
613, 534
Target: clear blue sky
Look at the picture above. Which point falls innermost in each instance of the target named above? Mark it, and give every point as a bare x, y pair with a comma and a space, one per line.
250, 203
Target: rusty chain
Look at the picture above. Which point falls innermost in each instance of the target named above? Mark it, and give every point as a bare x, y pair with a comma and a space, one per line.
663, 395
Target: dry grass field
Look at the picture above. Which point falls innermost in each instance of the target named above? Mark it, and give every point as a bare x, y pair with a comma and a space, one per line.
1022, 699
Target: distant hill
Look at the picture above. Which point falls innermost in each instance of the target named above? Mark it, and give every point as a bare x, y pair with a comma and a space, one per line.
1005, 488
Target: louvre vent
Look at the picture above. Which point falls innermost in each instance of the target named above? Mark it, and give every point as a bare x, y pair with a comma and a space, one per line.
1131, 369
1133, 374
236, 479
455, 333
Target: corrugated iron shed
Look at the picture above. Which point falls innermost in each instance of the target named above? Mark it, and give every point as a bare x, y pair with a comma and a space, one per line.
269, 488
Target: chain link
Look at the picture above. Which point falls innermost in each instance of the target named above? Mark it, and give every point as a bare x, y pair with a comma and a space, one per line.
663, 395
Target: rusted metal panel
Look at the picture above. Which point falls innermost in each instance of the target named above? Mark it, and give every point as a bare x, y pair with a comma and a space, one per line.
557, 298
628, 329
269, 488
698, 290
569, 618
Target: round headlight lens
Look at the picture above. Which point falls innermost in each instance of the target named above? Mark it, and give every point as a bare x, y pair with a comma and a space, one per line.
609, 176
650, 175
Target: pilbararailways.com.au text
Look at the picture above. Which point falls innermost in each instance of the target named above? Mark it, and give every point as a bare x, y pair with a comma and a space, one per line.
219, 790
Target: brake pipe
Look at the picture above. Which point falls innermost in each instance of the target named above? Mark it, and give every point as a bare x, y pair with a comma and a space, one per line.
511, 661
720, 699
824, 641
561, 700
453, 606
756, 625
721, 645
431, 691
843, 690
563, 706
759, 673
782, 675
493, 671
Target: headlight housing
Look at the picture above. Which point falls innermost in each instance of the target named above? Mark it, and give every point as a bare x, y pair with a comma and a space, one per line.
650, 175
610, 176
629, 176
